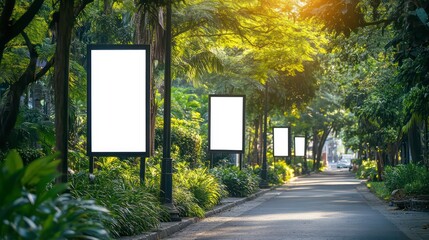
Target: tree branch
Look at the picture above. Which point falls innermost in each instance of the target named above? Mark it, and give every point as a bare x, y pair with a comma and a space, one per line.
80, 7
5, 16
45, 69
24, 20
385, 21
30, 46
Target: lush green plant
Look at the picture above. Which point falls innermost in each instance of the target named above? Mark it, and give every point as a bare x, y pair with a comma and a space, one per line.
239, 183
186, 141
368, 170
29, 209
414, 179
285, 171
277, 174
186, 203
274, 178
116, 186
205, 188
379, 189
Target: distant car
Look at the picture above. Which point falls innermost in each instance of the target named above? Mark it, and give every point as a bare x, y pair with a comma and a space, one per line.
343, 164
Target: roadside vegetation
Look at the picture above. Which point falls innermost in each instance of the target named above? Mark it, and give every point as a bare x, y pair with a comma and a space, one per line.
398, 183
356, 69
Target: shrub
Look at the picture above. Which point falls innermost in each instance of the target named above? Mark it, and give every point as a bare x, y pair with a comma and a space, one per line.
368, 170
379, 189
117, 187
29, 209
414, 179
204, 187
186, 203
280, 173
186, 142
239, 183
285, 171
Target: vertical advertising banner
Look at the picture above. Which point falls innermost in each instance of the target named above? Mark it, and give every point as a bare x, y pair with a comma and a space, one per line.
226, 123
281, 141
118, 100
299, 146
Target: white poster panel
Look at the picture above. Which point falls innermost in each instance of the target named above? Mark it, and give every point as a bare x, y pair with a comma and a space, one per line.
299, 146
281, 141
118, 100
226, 123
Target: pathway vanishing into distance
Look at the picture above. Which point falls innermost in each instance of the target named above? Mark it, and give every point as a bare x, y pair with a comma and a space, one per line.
320, 206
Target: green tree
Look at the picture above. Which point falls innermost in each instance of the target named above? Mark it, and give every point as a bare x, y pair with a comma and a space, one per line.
408, 21
14, 38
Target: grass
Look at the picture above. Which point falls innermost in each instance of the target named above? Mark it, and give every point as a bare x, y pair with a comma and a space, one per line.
379, 189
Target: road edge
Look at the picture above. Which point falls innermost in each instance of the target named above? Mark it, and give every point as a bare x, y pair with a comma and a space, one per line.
379, 205
168, 228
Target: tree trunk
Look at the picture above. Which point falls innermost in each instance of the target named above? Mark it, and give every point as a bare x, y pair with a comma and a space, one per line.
9, 108
255, 158
107, 7
305, 154
260, 141
61, 77
414, 140
151, 35
323, 138
315, 148
379, 161
425, 143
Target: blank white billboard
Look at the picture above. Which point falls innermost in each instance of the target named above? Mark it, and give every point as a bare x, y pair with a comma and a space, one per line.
281, 141
299, 146
226, 123
118, 100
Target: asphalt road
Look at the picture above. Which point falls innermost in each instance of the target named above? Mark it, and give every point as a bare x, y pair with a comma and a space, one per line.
320, 206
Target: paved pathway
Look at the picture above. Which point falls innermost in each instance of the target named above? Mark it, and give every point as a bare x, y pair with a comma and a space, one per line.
321, 206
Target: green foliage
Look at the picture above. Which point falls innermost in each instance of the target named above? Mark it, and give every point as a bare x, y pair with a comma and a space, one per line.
117, 187
29, 209
379, 189
239, 183
414, 179
32, 130
30, 154
186, 203
186, 141
284, 171
368, 170
205, 189
280, 173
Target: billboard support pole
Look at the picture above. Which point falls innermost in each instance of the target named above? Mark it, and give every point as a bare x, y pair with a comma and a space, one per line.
142, 170
91, 164
166, 192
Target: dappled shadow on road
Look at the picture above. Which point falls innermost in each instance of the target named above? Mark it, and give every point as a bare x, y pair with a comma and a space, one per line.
320, 206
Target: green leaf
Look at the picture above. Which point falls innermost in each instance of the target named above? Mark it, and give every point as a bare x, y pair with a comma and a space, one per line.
423, 16
13, 161
39, 168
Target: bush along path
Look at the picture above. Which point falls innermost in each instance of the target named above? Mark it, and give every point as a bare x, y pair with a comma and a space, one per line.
405, 186
115, 204
238, 187
168, 228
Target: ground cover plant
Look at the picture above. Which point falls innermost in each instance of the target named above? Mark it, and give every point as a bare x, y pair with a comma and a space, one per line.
239, 183
196, 190
412, 178
379, 189
117, 187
